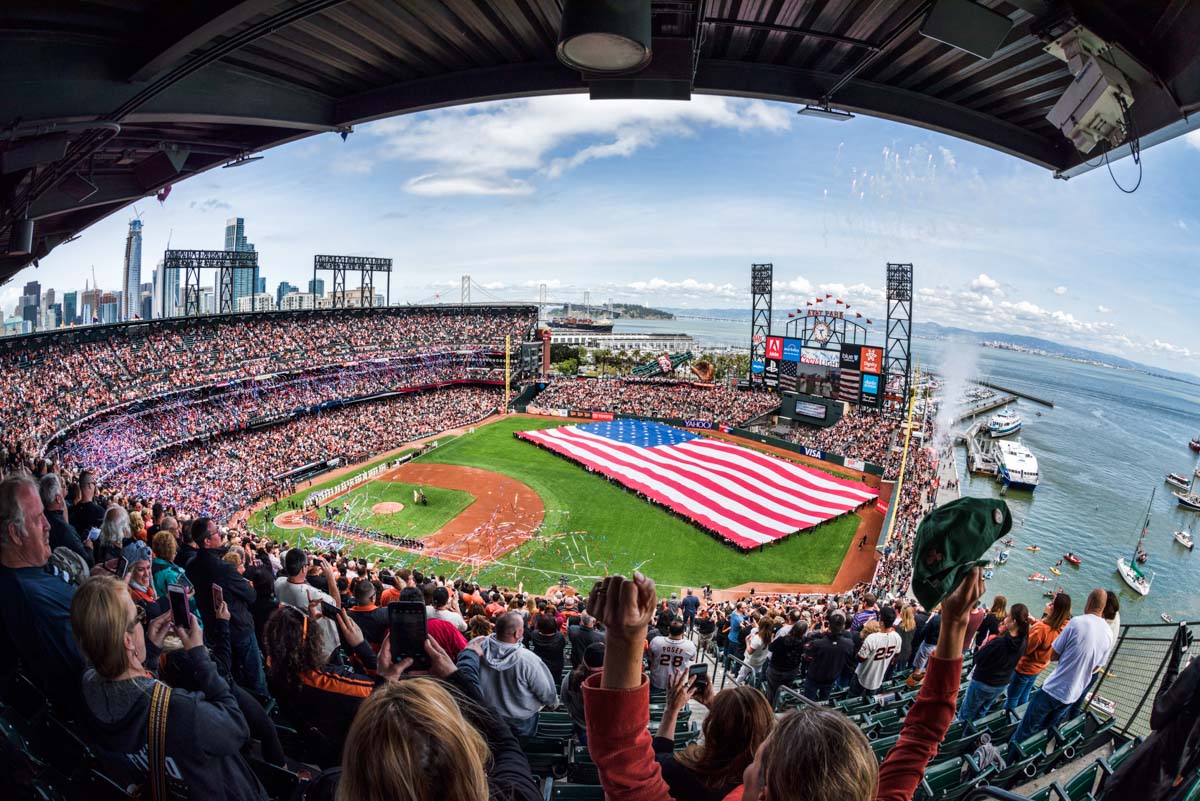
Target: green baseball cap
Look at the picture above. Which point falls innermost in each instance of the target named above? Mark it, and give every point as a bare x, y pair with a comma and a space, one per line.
950, 541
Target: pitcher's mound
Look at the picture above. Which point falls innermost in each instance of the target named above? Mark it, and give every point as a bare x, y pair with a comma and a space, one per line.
387, 508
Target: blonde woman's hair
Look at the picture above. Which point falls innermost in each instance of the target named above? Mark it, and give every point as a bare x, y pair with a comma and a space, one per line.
100, 619
908, 620
164, 546
409, 740
234, 557
872, 626
137, 526
1000, 607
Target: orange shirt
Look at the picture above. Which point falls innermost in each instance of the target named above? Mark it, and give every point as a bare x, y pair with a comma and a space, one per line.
1038, 648
389, 595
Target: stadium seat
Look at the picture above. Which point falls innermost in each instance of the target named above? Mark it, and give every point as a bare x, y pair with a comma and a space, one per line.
1086, 784
951, 780
547, 755
554, 725
1118, 756
883, 745
1013, 774
580, 767
1096, 732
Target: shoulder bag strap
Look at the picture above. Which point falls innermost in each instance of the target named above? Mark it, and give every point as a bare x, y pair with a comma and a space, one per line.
159, 704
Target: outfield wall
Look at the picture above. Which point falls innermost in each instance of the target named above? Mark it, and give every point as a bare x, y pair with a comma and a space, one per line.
774, 442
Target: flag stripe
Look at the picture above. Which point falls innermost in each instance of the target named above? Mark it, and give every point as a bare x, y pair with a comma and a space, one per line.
746, 496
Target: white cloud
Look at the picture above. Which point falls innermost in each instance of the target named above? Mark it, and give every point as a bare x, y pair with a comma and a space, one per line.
1060, 290
1103, 309
1181, 225
985, 283
1193, 138
688, 285
1167, 347
502, 148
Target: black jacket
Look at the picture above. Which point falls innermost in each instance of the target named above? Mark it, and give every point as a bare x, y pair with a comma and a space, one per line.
828, 656
86, 516
996, 661
1173, 749
63, 535
581, 637
207, 569
551, 648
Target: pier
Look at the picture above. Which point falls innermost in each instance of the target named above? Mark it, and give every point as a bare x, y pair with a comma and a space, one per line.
1024, 395
979, 461
986, 406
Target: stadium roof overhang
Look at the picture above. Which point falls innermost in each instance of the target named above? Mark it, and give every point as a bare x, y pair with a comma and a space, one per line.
108, 101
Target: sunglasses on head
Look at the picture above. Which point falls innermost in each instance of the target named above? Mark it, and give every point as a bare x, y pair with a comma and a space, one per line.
140, 617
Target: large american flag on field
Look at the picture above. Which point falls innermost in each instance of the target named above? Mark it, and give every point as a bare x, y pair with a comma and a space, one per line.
745, 496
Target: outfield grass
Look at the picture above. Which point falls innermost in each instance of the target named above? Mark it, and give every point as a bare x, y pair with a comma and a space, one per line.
623, 532
411, 521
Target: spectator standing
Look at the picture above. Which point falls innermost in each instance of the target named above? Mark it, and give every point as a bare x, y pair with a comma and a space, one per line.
877, 652
209, 569
906, 628
995, 664
516, 680
550, 645
371, 619
62, 533
991, 622
670, 655
978, 614
204, 730
571, 693
1038, 650
581, 634
292, 588
86, 514
35, 598
442, 609
690, 606
736, 643
827, 656
787, 653
1081, 648
868, 612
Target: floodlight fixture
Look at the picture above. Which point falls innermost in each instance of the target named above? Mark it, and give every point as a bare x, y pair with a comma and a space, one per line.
605, 37
825, 111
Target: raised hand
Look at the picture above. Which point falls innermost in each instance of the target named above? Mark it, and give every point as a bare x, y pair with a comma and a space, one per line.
624, 606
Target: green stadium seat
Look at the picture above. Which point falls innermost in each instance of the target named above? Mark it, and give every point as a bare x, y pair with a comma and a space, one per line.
554, 724
547, 755
580, 767
883, 745
1013, 774
1118, 756
1047, 793
950, 780
1193, 794
1086, 784
1096, 732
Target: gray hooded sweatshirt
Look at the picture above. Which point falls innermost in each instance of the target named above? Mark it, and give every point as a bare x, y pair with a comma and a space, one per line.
515, 680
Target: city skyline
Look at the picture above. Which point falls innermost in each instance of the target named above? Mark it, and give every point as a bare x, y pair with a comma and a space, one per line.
667, 204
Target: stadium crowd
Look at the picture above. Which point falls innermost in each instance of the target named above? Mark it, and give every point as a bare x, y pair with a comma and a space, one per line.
656, 398
127, 434
862, 434
308, 636
219, 476
57, 379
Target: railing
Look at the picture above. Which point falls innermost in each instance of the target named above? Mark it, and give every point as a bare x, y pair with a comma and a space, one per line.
786, 691
1134, 674
988, 791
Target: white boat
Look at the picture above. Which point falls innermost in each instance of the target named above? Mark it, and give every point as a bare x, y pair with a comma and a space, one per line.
1128, 568
1018, 466
1003, 424
1178, 481
1184, 538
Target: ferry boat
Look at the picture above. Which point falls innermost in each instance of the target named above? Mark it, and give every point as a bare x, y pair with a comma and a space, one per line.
1128, 568
1184, 538
1003, 424
582, 324
1018, 466
1177, 480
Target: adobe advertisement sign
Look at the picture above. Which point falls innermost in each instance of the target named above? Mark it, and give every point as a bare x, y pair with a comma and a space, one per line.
872, 360
774, 348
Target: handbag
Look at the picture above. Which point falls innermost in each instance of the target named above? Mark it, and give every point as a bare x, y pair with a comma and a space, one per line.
160, 702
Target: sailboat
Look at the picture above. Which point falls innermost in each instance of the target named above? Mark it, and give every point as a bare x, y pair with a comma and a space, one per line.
1128, 568
1189, 498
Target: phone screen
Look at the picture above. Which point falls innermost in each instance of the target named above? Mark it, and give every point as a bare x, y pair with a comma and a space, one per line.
408, 632
700, 671
329, 610
218, 596
177, 594
122, 566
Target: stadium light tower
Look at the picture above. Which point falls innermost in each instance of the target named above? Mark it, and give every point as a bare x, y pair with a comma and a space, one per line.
761, 283
897, 360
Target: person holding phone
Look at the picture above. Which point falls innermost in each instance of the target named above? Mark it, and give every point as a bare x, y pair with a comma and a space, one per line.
205, 729
293, 588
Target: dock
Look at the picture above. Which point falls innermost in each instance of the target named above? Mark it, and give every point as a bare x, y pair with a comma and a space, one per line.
1024, 395
986, 406
979, 462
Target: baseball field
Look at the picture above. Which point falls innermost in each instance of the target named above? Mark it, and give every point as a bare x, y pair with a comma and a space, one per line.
482, 519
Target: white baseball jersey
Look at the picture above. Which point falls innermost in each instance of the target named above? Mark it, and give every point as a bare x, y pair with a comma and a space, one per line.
879, 649
668, 657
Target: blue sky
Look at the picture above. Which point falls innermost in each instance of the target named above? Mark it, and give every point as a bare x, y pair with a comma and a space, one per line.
669, 203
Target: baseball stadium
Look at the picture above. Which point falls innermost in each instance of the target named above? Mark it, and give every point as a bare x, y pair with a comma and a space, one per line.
462, 544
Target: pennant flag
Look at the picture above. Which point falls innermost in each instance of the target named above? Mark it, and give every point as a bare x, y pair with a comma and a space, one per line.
856, 314
839, 302
807, 303
819, 300
868, 322
828, 295
745, 496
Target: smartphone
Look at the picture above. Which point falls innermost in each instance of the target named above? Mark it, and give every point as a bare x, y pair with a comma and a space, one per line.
218, 596
700, 671
177, 595
122, 567
406, 620
329, 610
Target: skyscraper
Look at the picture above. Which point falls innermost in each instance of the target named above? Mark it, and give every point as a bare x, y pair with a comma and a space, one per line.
261, 285
33, 289
131, 287
244, 283
70, 310
284, 288
316, 286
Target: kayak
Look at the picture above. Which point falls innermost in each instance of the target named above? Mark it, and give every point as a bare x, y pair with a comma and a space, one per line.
1056, 571
1032, 548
